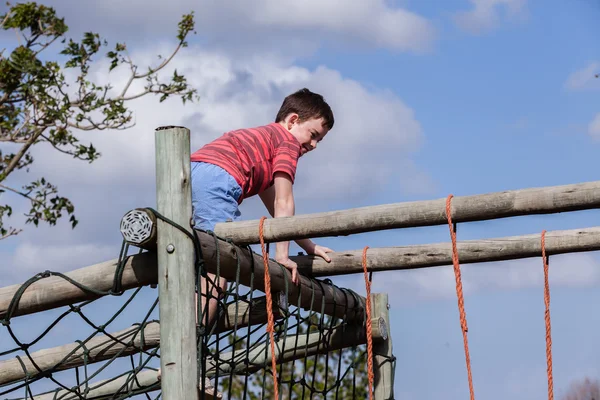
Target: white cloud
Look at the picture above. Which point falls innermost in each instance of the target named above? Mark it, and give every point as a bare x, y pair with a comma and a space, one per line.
584, 78
594, 127
295, 25
486, 14
29, 258
374, 130
368, 150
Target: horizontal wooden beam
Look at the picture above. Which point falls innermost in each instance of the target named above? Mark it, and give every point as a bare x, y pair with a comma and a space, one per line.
98, 348
141, 269
439, 254
295, 347
543, 200
143, 382
128, 341
323, 297
53, 291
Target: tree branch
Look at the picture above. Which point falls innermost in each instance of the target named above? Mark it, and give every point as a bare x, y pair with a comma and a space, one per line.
131, 78
8, 14
15, 160
20, 193
165, 62
11, 232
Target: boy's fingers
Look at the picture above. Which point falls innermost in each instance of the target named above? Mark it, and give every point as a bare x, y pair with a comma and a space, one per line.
322, 253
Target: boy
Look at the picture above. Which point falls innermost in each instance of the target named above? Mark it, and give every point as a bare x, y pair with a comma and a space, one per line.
261, 160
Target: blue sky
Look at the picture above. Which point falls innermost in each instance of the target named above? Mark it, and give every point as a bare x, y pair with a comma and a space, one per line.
427, 110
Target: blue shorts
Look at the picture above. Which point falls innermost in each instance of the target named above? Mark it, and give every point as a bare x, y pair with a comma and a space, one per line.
215, 195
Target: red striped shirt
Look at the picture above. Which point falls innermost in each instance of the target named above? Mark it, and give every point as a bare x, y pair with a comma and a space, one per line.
252, 156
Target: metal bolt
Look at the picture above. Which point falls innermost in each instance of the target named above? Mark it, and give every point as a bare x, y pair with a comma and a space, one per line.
170, 249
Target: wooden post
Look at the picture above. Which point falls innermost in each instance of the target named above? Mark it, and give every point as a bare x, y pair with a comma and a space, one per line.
176, 276
383, 364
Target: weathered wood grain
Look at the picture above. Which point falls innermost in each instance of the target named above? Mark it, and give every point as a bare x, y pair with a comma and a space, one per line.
308, 295
102, 347
439, 254
143, 382
141, 269
293, 347
383, 366
176, 274
543, 200
53, 291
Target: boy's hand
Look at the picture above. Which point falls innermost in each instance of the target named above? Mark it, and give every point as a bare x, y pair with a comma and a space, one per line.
292, 266
322, 251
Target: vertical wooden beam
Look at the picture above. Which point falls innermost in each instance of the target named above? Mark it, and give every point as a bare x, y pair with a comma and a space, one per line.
175, 254
383, 364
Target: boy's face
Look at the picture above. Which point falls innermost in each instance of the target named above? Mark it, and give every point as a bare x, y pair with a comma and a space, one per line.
309, 133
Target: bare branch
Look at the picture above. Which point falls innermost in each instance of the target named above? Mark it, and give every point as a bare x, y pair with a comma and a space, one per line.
165, 62
131, 78
58, 148
15, 160
11, 232
8, 14
136, 96
26, 122
150, 90
26, 195
44, 46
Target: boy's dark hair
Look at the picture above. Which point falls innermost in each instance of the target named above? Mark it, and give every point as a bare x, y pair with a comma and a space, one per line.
307, 105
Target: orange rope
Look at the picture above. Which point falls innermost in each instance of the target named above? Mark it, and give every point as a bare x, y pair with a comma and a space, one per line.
547, 317
270, 323
459, 292
369, 326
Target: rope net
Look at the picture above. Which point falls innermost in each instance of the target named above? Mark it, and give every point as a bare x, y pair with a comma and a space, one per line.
92, 350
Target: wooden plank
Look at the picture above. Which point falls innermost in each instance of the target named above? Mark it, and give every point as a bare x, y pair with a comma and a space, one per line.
543, 200
140, 269
342, 336
142, 382
308, 295
53, 291
176, 272
383, 365
293, 347
439, 254
101, 347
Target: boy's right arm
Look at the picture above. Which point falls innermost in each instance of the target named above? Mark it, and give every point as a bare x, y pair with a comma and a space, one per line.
279, 200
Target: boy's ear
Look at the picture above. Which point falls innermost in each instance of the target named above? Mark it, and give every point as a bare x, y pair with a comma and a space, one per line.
291, 120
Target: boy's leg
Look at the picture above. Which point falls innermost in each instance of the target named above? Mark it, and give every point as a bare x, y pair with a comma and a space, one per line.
215, 196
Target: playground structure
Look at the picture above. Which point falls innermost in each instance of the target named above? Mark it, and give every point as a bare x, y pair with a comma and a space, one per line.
334, 320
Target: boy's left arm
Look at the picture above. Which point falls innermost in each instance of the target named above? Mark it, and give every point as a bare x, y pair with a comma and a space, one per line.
268, 198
